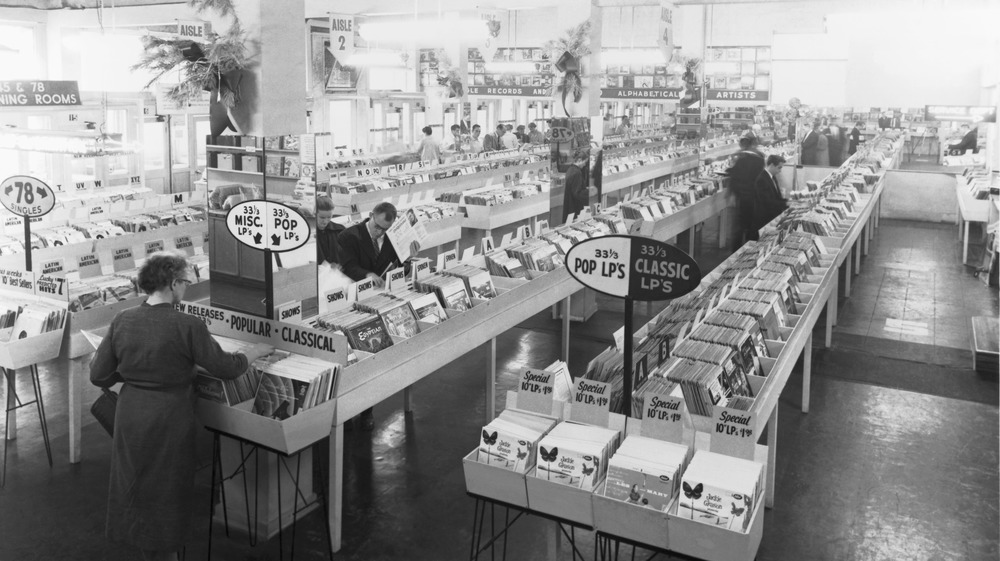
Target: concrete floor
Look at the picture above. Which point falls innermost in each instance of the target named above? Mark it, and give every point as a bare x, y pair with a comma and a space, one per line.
898, 458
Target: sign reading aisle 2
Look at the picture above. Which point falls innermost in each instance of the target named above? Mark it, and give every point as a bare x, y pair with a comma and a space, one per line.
267, 225
633, 267
39, 93
28, 197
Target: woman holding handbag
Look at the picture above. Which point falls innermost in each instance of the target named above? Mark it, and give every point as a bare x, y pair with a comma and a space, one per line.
153, 349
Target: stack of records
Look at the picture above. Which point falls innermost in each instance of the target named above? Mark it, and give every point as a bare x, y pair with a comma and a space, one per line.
644, 471
607, 367
787, 295
200, 266
612, 222
84, 296
426, 307
477, 281
20, 319
557, 239
655, 384
364, 331
743, 323
767, 315
396, 313
562, 385
237, 390
701, 383
502, 265
294, 383
450, 291
774, 299
720, 490
734, 374
741, 342
576, 455
140, 223
510, 440
537, 255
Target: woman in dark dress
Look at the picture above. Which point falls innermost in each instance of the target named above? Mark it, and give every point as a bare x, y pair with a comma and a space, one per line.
576, 197
153, 349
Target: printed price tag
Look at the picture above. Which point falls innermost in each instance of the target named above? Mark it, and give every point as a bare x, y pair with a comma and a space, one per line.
663, 417
591, 402
89, 265
534, 392
122, 259
733, 432
289, 313
154, 246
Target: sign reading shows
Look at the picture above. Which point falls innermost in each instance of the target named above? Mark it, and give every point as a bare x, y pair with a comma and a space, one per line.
39, 93
630, 266
26, 196
738, 95
267, 225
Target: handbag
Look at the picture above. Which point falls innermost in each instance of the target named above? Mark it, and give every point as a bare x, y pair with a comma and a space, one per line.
104, 410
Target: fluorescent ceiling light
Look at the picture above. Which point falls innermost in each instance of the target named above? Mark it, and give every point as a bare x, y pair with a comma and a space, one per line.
375, 58
621, 57
424, 31
510, 67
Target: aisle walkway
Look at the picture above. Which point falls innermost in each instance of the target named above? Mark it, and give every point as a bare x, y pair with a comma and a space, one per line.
897, 459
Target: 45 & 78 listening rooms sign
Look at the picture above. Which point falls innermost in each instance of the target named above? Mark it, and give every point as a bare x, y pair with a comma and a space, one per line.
634, 267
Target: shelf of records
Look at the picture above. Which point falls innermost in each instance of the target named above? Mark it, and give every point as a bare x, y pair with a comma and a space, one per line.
623, 144
31, 324
361, 195
629, 171
652, 481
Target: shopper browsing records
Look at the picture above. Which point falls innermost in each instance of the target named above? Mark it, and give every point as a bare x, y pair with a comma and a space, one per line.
153, 349
492, 142
476, 143
742, 177
456, 140
855, 137
625, 127
522, 136
837, 143
535, 136
327, 250
576, 197
509, 139
969, 141
429, 149
365, 250
769, 200
810, 146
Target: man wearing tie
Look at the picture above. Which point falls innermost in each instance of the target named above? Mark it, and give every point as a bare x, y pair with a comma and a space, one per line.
770, 202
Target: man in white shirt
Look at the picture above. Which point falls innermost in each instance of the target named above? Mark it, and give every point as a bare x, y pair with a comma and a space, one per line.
476, 143
509, 139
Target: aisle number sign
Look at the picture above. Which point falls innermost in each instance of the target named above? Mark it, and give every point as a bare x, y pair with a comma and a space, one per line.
341, 36
630, 266
268, 225
27, 196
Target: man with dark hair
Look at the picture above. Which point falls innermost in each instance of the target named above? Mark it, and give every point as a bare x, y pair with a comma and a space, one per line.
742, 176
492, 142
810, 146
365, 250
969, 141
770, 202
576, 196
429, 149
855, 137
327, 249
476, 143
535, 136
456, 139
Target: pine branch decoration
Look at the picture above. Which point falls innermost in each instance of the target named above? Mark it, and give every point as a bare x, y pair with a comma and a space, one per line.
224, 8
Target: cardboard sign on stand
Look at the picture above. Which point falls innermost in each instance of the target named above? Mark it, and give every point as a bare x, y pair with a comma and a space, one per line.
154, 246
591, 402
534, 392
396, 280
89, 265
733, 432
447, 260
336, 299
663, 417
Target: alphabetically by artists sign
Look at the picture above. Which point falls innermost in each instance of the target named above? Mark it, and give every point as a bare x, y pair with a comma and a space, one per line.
629, 266
39, 93
267, 225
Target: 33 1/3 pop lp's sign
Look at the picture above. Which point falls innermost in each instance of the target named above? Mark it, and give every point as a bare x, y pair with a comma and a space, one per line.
39, 93
267, 225
630, 266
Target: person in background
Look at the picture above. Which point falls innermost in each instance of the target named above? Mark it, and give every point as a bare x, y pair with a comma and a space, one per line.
476, 143
153, 349
855, 137
970, 140
522, 136
883, 120
822, 147
576, 197
837, 143
809, 147
366, 252
492, 142
625, 127
456, 140
327, 250
769, 200
535, 136
742, 179
509, 139
429, 149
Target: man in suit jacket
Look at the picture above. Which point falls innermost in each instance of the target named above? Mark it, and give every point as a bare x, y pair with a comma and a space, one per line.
365, 250
809, 157
742, 177
770, 202
327, 248
883, 120
491, 142
836, 143
970, 141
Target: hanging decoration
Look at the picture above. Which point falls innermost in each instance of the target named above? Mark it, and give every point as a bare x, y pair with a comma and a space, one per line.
692, 81
215, 65
449, 75
568, 52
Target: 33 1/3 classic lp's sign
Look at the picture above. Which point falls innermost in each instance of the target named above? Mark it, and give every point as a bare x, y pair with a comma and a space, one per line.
635, 267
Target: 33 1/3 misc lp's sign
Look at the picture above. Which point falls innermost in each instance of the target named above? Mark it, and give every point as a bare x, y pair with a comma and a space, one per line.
26, 196
268, 225
635, 267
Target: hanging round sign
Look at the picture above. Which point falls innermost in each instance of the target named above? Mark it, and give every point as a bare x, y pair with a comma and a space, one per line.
267, 225
27, 196
561, 134
633, 267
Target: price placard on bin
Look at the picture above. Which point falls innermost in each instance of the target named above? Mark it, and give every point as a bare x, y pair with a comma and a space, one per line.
663, 417
534, 392
591, 402
733, 432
